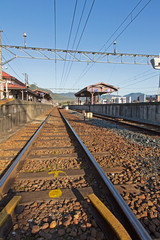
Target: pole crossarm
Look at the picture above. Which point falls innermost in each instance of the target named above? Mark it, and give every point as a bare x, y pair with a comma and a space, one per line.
77, 56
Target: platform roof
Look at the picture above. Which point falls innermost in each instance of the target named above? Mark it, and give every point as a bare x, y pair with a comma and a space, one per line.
97, 89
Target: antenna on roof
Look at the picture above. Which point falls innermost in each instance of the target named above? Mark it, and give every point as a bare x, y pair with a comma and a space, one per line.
26, 79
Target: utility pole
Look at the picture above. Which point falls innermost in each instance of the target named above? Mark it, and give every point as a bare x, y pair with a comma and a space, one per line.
1, 80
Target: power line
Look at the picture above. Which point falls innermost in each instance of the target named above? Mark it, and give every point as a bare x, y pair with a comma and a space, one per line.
55, 23
76, 38
85, 23
151, 92
79, 23
65, 89
142, 73
55, 38
121, 25
75, 7
130, 22
18, 61
12, 69
84, 72
135, 79
143, 88
141, 81
83, 30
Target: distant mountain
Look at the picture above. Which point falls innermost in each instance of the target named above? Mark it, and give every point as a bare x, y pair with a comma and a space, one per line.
57, 97
69, 95
106, 96
133, 96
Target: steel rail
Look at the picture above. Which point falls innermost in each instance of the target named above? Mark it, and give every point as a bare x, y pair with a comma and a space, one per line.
11, 171
129, 123
124, 122
136, 231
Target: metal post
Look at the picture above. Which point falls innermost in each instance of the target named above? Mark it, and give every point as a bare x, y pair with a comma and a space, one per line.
7, 93
1, 80
92, 98
159, 89
109, 99
22, 95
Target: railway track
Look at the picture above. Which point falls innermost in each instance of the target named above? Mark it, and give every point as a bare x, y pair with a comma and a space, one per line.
150, 128
135, 124
57, 176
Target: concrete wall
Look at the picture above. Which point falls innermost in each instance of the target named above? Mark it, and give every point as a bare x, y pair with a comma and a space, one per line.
18, 112
143, 112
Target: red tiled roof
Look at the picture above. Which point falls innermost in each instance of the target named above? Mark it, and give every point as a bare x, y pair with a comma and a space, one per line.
40, 91
6, 75
14, 86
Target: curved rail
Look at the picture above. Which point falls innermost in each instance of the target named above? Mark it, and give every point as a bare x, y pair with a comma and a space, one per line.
136, 230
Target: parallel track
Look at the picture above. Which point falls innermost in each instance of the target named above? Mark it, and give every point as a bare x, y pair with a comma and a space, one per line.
151, 128
135, 124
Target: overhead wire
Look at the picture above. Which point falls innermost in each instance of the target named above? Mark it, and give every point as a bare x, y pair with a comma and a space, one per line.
75, 7
85, 71
137, 75
141, 88
55, 39
85, 24
12, 69
141, 80
83, 32
121, 25
130, 22
16, 61
135, 78
66, 74
152, 92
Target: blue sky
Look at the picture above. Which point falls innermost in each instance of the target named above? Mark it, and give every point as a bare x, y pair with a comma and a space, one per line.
36, 18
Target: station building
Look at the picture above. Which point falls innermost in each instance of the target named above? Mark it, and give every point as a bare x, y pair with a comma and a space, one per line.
42, 96
13, 88
93, 92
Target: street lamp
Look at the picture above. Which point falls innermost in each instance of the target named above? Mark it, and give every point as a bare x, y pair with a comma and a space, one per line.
114, 46
24, 35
